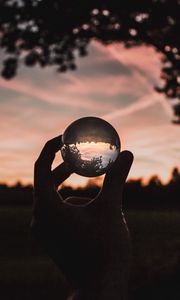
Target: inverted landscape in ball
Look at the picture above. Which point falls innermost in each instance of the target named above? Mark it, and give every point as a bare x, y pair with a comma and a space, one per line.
90, 146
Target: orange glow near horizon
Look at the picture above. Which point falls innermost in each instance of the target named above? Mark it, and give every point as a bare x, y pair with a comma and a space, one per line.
81, 182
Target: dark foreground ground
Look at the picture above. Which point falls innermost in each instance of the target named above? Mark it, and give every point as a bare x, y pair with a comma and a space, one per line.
26, 273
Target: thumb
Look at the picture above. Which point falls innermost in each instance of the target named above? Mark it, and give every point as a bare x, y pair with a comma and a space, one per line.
116, 176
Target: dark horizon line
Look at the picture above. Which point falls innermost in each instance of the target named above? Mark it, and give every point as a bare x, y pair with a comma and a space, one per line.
174, 175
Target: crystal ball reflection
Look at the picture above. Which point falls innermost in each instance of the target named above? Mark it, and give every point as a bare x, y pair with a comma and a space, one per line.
90, 146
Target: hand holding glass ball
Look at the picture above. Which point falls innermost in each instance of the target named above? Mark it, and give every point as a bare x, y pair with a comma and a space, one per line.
88, 239
90, 146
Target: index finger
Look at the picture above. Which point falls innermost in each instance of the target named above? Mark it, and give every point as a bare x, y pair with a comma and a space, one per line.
42, 169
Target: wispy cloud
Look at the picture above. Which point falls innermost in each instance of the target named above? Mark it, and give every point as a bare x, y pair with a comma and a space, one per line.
132, 108
144, 67
142, 58
43, 94
141, 104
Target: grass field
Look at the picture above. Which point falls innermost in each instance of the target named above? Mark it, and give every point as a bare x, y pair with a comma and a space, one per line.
27, 273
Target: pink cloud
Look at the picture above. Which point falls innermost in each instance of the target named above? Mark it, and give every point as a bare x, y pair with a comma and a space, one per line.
143, 103
50, 96
145, 58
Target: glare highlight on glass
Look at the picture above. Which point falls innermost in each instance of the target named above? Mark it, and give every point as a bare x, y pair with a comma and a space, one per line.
90, 146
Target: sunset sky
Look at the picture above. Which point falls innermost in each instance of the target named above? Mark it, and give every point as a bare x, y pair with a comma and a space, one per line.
111, 82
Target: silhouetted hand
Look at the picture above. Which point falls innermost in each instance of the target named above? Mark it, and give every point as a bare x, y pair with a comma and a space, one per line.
88, 239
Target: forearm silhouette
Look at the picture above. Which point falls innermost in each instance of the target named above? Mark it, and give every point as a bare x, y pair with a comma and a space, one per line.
88, 239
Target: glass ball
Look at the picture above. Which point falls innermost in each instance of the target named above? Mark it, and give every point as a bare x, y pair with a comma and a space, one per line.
90, 146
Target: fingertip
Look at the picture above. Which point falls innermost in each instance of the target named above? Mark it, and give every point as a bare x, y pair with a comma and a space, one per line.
117, 174
54, 144
127, 156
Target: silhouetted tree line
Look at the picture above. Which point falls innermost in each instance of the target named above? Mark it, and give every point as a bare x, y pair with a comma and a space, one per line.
52, 32
154, 194
136, 195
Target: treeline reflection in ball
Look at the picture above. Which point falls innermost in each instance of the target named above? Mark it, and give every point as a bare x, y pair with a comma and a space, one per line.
90, 146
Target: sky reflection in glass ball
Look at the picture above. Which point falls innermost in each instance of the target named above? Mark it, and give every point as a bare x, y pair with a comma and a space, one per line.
90, 146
